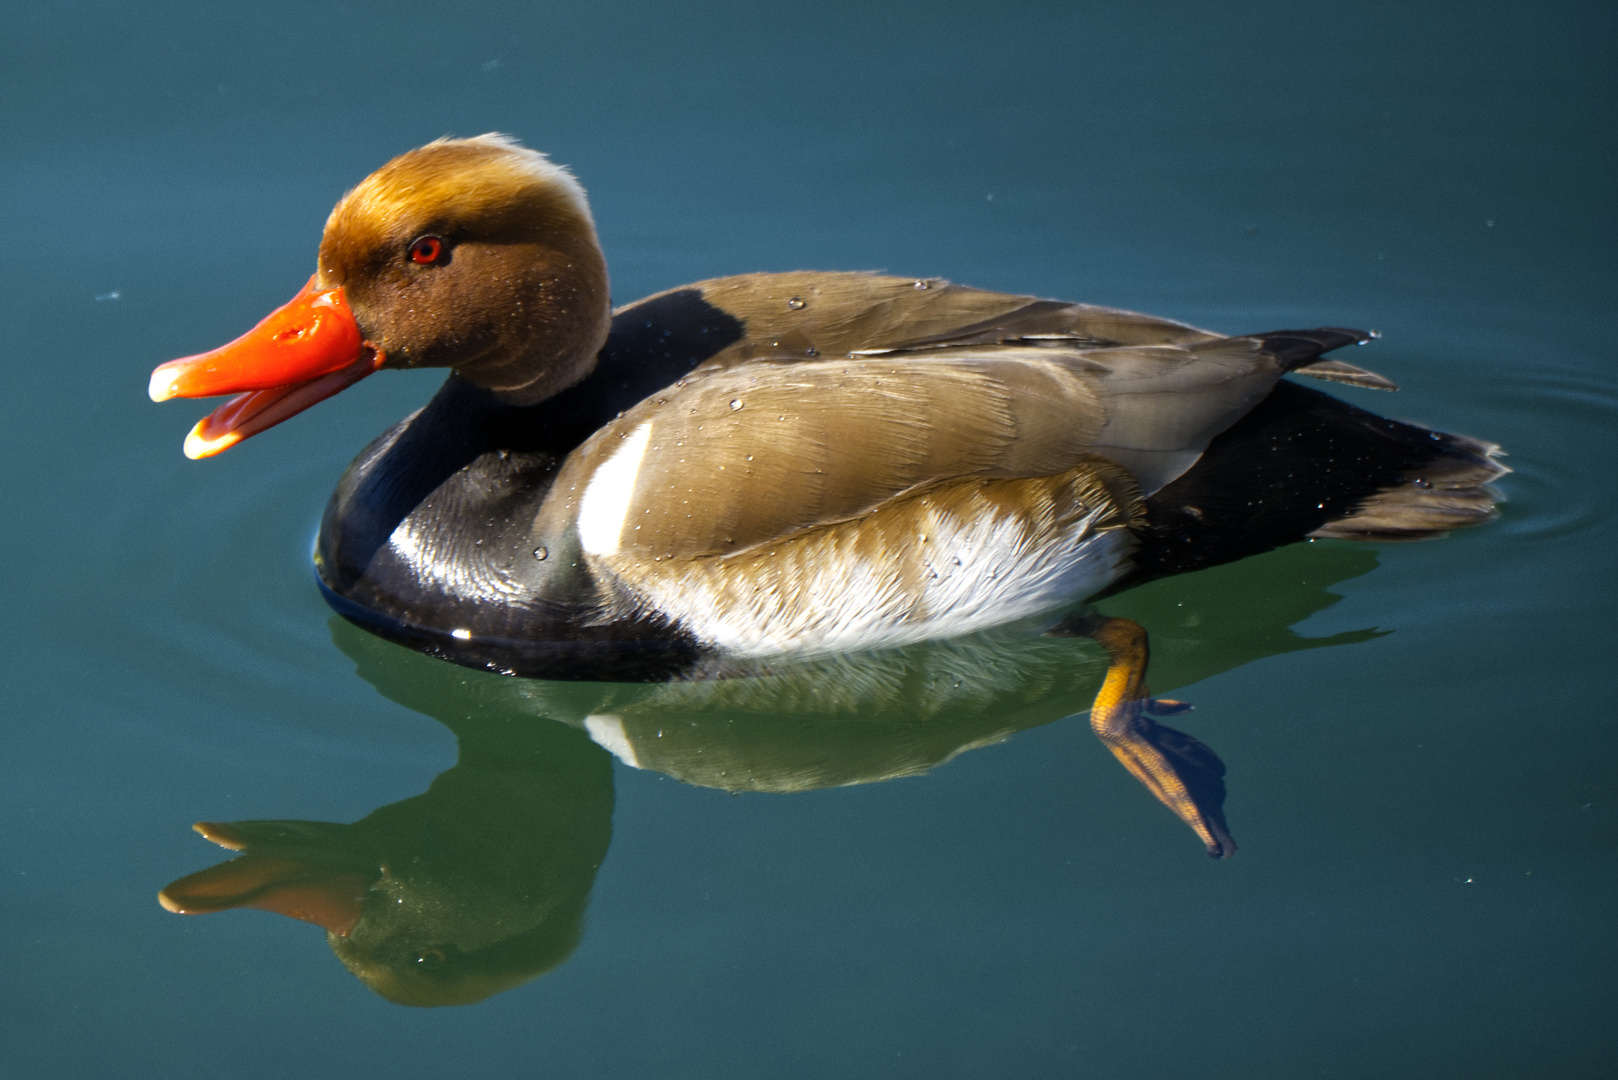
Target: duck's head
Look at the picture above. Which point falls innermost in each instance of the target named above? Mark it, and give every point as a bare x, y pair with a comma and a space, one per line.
472, 254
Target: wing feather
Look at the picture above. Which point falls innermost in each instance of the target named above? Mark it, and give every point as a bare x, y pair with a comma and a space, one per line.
738, 456
848, 391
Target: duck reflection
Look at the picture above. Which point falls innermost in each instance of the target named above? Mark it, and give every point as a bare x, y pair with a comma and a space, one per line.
480, 883
472, 887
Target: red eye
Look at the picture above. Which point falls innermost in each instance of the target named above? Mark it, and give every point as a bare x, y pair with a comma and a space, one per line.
427, 250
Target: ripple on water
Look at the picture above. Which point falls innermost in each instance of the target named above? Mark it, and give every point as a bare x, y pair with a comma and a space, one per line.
1560, 454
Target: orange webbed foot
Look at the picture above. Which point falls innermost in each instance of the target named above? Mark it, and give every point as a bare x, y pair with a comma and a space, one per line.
1182, 772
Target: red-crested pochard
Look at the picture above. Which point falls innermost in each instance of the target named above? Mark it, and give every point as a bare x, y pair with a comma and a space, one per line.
776, 464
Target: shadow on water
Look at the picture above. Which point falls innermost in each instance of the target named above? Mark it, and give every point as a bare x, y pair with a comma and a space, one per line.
480, 883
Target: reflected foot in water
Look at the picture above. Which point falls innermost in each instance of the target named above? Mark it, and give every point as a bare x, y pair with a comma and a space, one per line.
1183, 773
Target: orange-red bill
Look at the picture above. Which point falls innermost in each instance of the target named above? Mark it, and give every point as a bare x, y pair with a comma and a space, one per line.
248, 414
303, 352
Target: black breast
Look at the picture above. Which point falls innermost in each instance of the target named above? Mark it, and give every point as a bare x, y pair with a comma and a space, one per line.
429, 538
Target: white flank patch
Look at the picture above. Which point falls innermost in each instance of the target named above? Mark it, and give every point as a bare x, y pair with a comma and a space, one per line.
607, 732
977, 574
606, 501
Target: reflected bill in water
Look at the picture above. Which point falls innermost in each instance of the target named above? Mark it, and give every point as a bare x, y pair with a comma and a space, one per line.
480, 883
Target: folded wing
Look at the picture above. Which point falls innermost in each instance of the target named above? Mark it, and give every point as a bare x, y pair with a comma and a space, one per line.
849, 391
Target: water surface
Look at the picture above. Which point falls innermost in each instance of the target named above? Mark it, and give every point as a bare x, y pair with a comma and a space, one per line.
1420, 738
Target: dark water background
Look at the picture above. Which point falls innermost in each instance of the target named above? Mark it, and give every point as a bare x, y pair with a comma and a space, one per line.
1426, 812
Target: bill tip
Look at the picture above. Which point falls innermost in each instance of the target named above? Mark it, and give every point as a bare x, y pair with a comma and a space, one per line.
161, 388
198, 445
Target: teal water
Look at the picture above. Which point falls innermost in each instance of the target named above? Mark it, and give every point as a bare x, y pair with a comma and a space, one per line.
1420, 738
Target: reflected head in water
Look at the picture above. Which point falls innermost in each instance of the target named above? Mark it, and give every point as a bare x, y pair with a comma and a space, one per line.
473, 887
480, 883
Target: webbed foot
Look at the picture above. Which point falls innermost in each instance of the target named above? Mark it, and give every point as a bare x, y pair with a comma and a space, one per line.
1182, 772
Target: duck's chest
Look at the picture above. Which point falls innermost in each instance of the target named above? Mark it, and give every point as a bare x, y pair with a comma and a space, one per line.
433, 540
465, 554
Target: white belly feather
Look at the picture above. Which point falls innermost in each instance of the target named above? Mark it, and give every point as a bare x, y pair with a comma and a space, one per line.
935, 565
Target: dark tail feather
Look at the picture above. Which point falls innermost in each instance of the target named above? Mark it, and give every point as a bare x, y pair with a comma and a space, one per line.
1298, 348
1300, 351
1303, 464
1447, 491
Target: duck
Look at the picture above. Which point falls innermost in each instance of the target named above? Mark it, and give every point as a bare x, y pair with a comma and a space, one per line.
790, 464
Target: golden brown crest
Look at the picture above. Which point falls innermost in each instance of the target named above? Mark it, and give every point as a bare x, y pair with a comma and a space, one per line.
518, 299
